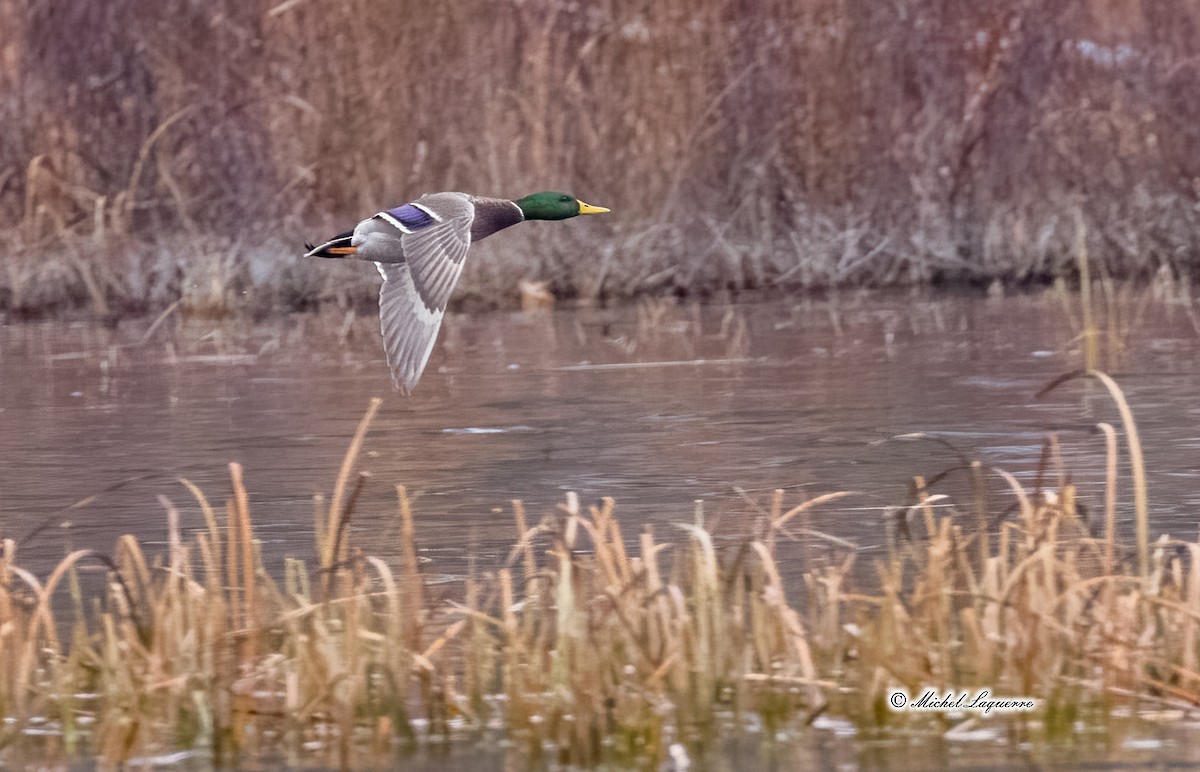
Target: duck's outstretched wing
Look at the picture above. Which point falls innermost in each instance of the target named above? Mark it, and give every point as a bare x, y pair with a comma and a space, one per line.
435, 233
409, 326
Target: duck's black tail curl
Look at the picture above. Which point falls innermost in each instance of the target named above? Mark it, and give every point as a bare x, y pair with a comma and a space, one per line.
338, 246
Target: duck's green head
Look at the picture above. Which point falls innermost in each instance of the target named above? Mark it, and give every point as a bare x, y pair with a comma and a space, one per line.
554, 206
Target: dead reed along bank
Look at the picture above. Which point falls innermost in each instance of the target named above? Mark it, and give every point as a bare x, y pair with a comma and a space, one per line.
739, 145
591, 646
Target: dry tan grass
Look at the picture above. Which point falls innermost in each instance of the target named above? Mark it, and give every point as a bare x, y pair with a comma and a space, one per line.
579, 646
784, 144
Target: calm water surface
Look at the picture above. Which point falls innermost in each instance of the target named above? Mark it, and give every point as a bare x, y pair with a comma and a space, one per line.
656, 405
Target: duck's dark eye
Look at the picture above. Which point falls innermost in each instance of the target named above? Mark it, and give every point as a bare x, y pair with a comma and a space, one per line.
564, 199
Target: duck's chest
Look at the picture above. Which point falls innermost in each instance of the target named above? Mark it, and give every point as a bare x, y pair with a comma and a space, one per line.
491, 215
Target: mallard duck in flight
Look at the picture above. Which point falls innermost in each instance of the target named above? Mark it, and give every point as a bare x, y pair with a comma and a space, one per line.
420, 248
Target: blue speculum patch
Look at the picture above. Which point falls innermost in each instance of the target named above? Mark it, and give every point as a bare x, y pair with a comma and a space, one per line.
411, 217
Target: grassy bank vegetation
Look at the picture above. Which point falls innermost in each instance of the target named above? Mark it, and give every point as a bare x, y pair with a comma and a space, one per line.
154, 151
589, 644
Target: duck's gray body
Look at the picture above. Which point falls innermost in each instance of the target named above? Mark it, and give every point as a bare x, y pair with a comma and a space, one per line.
419, 249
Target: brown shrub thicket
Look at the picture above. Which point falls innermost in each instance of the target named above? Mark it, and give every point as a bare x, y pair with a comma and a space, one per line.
773, 143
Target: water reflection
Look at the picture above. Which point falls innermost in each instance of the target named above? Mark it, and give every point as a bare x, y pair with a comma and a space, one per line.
656, 405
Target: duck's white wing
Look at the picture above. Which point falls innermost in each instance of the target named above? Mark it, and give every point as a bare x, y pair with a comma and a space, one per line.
414, 295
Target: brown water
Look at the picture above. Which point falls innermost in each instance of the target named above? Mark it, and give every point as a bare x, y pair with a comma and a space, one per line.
656, 405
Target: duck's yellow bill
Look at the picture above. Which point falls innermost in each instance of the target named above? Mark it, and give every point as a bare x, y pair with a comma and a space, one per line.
589, 209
